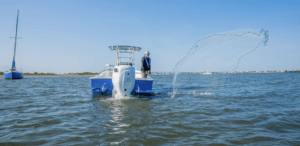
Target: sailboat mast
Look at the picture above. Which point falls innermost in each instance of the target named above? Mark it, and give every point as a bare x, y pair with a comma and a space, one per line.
16, 35
207, 66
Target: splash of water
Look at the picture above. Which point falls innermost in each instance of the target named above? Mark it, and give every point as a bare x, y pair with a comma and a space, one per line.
191, 93
120, 97
262, 35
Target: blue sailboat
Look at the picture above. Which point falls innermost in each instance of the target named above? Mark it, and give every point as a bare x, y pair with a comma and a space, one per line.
13, 73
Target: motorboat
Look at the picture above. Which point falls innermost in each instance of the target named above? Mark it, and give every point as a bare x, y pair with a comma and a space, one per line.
13, 73
122, 79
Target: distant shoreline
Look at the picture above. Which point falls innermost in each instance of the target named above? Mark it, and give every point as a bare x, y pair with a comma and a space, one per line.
49, 75
157, 74
225, 72
36, 74
221, 73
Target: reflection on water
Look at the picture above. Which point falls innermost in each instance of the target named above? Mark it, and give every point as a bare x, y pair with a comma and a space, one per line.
122, 119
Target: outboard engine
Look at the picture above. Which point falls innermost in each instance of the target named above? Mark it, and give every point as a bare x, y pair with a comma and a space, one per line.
123, 79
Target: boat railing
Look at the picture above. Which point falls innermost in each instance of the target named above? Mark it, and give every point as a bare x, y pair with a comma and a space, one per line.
129, 50
125, 63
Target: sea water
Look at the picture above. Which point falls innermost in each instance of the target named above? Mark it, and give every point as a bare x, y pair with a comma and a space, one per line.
227, 109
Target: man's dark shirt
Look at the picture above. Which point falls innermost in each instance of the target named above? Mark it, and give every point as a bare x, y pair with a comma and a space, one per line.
144, 66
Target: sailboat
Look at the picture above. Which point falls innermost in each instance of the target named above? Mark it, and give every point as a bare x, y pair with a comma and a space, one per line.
207, 71
13, 73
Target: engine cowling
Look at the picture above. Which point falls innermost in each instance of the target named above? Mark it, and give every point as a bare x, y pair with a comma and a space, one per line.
123, 79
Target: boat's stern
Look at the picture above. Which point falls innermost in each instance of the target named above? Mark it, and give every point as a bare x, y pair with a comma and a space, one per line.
142, 85
121, 80
102, 83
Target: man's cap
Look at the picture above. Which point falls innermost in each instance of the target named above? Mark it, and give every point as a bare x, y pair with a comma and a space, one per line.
147, 52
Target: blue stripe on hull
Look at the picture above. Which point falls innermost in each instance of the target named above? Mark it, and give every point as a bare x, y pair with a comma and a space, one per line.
105, 87
102, 86
142, 86
13, 75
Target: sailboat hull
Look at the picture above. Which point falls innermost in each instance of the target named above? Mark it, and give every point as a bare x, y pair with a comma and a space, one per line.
13, 75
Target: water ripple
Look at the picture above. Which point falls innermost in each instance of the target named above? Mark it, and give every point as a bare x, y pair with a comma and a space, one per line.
253, 109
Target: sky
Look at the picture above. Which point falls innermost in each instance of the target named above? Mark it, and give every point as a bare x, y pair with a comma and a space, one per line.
62, 36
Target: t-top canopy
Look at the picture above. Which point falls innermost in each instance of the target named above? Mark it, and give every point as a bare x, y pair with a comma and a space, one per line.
135, 48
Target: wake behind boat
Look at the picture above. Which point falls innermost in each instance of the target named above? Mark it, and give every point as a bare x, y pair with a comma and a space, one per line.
123, 79
13, 73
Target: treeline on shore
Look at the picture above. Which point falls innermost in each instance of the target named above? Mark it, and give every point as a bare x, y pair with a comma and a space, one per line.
36, 73
83, 73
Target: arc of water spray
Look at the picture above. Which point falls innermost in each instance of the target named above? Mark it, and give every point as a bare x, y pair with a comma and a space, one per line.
195, 47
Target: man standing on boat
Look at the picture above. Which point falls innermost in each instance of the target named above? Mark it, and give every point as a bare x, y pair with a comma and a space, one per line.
146, 65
